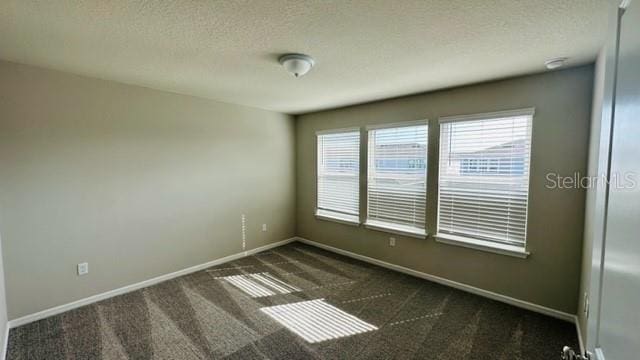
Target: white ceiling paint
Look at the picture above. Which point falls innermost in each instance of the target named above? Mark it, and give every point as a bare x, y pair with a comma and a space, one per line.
364, 50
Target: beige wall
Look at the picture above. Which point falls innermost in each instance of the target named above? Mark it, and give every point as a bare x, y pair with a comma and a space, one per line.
551, 275
136, 182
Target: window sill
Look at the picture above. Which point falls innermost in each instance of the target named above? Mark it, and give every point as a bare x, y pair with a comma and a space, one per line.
396, 229
342, 219
483, 245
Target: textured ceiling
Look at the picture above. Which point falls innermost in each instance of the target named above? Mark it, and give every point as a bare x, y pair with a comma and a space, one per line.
364, 50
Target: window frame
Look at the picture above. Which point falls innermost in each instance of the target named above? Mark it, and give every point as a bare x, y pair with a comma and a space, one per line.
479, 243
398, 228
318, 212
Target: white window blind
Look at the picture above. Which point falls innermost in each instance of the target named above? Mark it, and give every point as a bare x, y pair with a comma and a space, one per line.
397, 177
484, 177
338, 175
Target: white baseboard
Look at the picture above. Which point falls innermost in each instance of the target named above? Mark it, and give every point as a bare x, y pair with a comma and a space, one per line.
5, 344
464, 287
146, 283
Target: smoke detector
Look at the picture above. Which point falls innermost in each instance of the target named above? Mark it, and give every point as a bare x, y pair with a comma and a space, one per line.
555, 63
296, 64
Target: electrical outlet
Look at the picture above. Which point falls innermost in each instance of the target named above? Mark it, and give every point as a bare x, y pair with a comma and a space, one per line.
264, 227
392, 241
83, 269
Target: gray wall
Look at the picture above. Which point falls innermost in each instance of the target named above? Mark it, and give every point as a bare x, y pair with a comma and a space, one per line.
137, 182
551, 275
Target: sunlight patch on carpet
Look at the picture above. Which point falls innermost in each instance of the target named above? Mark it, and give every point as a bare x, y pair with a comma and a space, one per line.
260, 284
317, 321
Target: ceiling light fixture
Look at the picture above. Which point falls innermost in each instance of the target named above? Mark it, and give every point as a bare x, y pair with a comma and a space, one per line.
555, 63
296, 64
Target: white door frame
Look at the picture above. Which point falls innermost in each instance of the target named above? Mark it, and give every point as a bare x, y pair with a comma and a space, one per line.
599, 225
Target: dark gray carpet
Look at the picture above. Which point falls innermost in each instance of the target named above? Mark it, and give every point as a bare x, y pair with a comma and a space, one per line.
224, 313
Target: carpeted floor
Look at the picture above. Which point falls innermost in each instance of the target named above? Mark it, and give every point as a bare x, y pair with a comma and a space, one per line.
294, 302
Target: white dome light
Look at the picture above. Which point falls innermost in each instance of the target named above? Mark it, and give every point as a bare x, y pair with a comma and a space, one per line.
555, 63
296, 64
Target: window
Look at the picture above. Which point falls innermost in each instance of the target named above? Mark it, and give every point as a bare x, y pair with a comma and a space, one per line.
396, 180
484, 179
338, 176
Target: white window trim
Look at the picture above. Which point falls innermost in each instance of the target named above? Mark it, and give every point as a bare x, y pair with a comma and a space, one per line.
336, 218
483, 245
489, 115
337, 131
479, 244
397, 124
387, 227
396, 229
